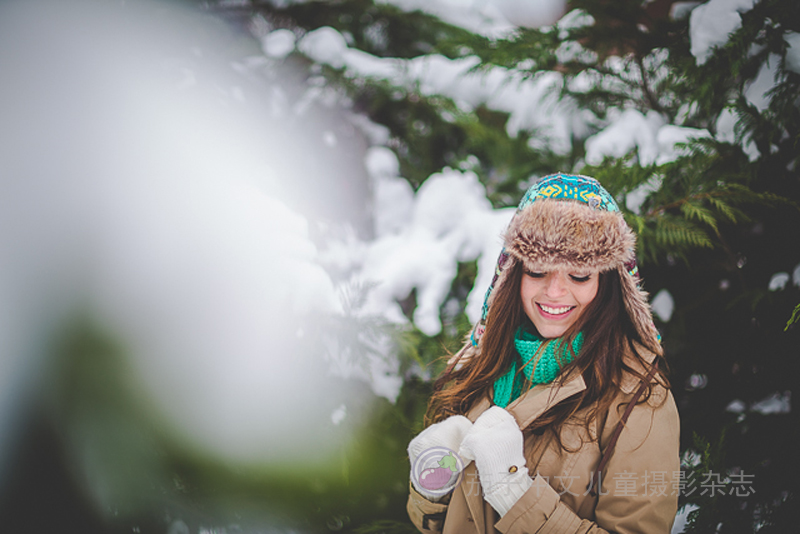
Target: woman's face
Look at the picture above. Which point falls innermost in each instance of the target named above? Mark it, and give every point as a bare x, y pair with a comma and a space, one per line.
554, 300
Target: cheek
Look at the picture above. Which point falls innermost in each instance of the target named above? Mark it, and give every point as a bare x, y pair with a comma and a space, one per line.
529, 288
527, 293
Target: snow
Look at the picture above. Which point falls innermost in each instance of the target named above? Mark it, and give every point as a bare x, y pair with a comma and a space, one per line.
329, 139
668, 138
725, 126
792, 51
691, 458
778, 281
381, 162
776, 403
756, 90
531, 14
451, 222
175, 241
574, 51
630, 130
736, 406
278, 44
339, 414
419, 241
533, 104
635, 199
681, 10
491, 18
711, 24
324, 45
393, 196
796, 275
487, 230
478, 16
653, 139
682, 517
376, 134
575, 19
663, 305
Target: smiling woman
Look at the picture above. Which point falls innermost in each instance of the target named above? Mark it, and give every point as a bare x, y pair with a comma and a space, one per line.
554, 300
558, 405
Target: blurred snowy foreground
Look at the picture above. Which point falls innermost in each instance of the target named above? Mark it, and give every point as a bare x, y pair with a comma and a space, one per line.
155, 214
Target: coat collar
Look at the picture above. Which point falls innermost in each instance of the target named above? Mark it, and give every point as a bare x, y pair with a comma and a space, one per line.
631, 382
534, 402
540, 398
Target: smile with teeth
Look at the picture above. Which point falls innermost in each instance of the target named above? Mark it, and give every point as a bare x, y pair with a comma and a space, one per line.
555, 311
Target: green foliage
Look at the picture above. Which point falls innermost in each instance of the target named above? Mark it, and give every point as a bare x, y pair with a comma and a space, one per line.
794, 318
689, 200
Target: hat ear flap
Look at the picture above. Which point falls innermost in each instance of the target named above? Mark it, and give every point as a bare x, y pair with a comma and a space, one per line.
462, 357
638, 309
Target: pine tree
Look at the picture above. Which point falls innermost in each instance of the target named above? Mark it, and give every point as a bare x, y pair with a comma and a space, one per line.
717, 222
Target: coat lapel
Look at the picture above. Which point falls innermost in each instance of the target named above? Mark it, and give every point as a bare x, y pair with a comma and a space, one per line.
525, 409
473, 494
540, 398
630, 382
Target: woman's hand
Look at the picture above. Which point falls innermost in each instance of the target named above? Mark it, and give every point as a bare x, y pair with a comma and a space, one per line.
448, 433
495, 442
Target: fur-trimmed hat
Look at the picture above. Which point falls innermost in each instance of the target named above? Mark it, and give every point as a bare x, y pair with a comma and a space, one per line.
572, 221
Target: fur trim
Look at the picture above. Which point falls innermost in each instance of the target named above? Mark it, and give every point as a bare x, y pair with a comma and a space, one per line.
551, 234
638, 308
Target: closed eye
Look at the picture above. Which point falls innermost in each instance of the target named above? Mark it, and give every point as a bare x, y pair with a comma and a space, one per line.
534, 274
580, 279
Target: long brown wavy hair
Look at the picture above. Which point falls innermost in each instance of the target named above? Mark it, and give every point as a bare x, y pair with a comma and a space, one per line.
608, 333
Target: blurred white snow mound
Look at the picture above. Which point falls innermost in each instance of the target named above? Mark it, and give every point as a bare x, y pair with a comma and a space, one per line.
422, 238
148, 202
654, 140
393, 196
711, 24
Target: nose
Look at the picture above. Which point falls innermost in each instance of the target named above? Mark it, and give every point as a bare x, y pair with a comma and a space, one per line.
556, 285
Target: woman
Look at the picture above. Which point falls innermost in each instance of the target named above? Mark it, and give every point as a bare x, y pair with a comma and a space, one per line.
557, 406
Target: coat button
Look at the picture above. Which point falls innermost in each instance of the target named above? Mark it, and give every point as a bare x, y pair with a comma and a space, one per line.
512, 469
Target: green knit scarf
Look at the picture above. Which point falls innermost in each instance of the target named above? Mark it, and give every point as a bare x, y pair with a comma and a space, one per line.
541, 361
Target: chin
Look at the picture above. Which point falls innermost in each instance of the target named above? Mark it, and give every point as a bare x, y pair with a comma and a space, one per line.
549, 333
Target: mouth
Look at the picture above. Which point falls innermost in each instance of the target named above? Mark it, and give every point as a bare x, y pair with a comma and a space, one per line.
554, 312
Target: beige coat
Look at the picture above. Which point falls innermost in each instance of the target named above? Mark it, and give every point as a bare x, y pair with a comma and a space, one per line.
639, 486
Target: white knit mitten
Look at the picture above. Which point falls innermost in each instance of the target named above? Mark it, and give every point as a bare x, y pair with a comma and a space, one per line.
495, 443
448, 433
